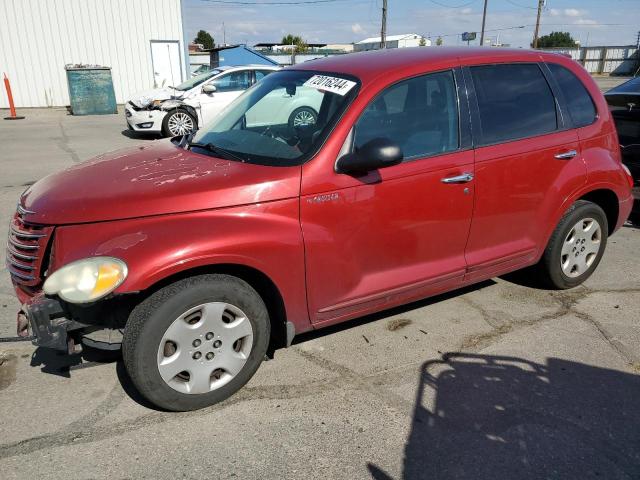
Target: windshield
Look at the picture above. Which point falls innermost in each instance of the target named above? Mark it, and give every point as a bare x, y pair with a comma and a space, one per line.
280, 121
197, 80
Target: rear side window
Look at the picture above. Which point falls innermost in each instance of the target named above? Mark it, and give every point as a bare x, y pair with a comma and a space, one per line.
419, 114
581, 107
233, 81
515, 101
260, 74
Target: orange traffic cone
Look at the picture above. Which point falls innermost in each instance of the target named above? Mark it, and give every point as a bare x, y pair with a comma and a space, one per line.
12, 107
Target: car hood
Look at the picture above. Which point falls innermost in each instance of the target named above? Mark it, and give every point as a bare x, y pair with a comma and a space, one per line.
156, 179
142, 99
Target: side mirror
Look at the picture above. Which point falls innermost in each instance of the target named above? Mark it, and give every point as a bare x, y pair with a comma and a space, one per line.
208, 89
375, 154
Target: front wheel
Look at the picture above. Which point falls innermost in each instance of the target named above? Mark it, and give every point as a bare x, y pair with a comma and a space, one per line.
196, 342
576, 246
178, 122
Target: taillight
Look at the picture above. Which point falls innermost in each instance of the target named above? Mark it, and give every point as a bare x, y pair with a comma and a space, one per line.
629, 177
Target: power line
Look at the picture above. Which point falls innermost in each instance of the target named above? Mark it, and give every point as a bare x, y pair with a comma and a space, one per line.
276, 3
521, 6
453, 6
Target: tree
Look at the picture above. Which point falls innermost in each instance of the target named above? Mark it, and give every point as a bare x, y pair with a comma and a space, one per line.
205, 39
439, 41
423, 42
556, 39
300, 44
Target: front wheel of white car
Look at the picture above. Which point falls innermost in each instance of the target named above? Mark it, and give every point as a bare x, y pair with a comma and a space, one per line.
178, 122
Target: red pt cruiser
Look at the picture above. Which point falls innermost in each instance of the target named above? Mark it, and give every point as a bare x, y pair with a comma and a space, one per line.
424, 170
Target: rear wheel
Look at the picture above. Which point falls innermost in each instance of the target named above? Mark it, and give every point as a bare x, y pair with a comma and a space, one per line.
178, 122
303, 117
196, 342
576, 246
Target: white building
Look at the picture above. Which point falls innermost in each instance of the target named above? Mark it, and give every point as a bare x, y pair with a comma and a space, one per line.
141, 40
392, 41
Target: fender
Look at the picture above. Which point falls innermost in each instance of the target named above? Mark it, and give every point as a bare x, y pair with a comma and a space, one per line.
585, 189
176, 104
266, 237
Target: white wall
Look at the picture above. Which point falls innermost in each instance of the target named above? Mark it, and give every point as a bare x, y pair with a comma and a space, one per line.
38, 37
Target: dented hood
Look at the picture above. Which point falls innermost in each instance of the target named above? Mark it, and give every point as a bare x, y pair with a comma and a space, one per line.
155, 179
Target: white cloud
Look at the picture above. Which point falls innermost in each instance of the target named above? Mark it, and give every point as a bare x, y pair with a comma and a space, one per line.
357, 28
585, 21
466, 11
573, 12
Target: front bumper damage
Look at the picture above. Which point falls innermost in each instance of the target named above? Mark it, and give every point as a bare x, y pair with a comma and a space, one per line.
46, 320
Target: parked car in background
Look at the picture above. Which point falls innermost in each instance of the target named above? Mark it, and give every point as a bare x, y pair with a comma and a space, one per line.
624, 103
425, 170
200, 69
181, 109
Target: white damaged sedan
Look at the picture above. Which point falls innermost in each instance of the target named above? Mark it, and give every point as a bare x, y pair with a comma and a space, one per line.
181, 109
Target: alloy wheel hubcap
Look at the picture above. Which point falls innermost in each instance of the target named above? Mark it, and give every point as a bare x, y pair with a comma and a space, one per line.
205, 348
303, 118
180, 123
580, 247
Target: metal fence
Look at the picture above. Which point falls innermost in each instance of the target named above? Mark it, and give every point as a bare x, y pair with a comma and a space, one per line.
621, 60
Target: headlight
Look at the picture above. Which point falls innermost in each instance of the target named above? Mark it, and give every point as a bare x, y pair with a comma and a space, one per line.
86, 280
144, 101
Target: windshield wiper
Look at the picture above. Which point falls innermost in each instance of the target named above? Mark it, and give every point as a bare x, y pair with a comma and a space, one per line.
217, 150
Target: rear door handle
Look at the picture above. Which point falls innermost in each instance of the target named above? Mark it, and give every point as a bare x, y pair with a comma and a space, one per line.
566, 155
464, 178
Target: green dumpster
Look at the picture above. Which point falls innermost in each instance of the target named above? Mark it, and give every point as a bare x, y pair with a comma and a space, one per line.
91, 90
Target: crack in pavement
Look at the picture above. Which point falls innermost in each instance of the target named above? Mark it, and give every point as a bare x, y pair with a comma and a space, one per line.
85, 429
503, 323
63, 144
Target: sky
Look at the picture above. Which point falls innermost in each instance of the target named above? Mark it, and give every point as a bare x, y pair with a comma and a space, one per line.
592, 22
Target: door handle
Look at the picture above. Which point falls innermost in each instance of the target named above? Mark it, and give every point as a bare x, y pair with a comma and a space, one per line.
566, 155
464, 178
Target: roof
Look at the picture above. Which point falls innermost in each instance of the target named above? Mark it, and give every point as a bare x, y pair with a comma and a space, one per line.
240, 55
370, 64
391, 38
280, 44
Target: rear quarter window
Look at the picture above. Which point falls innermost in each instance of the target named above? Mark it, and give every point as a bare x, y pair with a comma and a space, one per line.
514, 101
580, 104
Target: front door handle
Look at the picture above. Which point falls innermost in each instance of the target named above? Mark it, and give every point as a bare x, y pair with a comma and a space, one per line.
566, 155
464, 178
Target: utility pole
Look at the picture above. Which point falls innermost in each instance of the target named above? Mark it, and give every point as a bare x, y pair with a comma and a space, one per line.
484, 17
535, 33
224, 35
383, 30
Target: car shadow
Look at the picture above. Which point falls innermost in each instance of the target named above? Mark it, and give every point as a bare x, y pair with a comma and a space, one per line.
56, 362
487, 417
356, 322
134, 135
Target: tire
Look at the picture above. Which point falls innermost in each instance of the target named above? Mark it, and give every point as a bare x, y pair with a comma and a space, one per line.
176, 312
568, 268
300, 114
178, 122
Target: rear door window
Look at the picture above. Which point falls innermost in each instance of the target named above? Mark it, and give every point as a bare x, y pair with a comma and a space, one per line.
233, 81
581, 107
419, 114
515, 101
260, 74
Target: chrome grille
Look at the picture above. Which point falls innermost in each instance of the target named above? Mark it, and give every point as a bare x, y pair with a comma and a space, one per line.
26, 249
